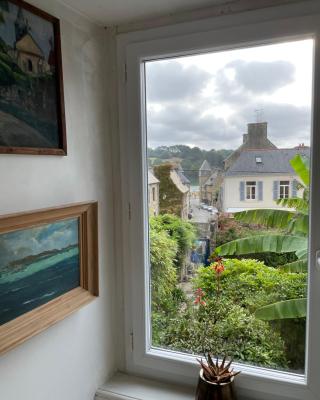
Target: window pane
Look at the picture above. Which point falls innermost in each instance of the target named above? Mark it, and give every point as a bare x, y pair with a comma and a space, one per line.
204, 170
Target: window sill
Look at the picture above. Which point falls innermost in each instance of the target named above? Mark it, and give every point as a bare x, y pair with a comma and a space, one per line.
128, 387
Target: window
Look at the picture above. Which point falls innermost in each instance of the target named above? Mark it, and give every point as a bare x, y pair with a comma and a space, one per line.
153, 194
30, 66
251, 190
190, 291
284, 189
173, 360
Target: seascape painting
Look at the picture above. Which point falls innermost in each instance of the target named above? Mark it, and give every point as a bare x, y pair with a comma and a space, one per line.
37, 264
31, 114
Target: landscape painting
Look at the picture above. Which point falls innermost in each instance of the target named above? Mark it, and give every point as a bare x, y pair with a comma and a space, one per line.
37, 264
31, 93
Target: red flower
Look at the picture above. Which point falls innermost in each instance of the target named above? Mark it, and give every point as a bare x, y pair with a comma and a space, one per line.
199, 293
218, 266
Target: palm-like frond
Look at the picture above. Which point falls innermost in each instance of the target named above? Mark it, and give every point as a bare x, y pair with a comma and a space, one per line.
267, 217
301, 166
263, 244
296, 266
296, 203
295, 308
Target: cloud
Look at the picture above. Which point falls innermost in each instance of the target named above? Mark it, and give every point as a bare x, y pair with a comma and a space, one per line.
218, 117
182, 124
18, 244
239, 80
263, 77
170, 81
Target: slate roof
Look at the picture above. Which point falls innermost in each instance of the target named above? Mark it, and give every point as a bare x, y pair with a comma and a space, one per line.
205, 166
212, 178
152, 179
177, 181
183, 178
275, 161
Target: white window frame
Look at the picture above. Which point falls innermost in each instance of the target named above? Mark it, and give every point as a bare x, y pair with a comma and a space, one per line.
282, 187
242, 30
250, 185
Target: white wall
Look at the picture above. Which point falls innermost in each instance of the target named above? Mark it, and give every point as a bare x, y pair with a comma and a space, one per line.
231, 192
69, 360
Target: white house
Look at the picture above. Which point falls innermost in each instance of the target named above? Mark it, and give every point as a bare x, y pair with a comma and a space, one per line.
258, 178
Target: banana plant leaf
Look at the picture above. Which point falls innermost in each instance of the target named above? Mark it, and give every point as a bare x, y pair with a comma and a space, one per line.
295, 308
299, 224
297, 203
296, 266
301, 167
264, 244
267, 217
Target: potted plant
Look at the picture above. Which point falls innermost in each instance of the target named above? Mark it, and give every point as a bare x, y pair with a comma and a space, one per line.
216, 380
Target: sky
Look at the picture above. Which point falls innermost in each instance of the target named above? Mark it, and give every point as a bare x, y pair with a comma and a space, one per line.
41, 30
207, 100
22, 243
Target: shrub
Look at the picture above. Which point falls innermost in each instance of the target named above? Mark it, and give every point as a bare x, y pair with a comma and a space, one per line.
251, 284
225, 328
179, 230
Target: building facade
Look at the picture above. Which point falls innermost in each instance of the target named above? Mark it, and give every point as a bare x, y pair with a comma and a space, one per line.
153, 194
174, 195
259, 178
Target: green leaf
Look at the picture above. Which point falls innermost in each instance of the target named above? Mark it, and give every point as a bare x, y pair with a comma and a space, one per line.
296, 266
296, 203
264, 244
299, 224
301, 167
269, 218
295, 308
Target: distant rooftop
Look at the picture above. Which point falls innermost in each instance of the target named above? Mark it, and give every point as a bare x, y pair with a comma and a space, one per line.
272, 161
151, 178
183, 178
205, 166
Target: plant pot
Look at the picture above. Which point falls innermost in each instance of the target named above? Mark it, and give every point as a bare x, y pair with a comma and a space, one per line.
212, 391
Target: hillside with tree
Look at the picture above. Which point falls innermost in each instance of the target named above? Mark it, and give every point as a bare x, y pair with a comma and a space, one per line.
190, 158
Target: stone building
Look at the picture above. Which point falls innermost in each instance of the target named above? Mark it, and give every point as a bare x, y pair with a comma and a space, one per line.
153, 194
174, 195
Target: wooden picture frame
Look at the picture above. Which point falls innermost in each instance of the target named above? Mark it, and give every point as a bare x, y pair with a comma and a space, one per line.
46, 227
32, 109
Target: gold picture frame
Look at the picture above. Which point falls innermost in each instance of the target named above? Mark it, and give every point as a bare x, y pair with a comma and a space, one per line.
73, 264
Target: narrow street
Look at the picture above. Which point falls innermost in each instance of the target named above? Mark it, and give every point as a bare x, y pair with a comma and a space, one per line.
199, 215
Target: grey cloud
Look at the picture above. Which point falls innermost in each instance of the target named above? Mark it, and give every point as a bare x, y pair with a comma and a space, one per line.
251, 78
178, 124
263, 77
181, 121
169, 81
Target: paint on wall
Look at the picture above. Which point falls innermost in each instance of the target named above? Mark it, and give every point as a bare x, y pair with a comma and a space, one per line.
37, 265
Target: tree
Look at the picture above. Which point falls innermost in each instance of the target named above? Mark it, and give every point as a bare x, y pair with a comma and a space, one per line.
295, 227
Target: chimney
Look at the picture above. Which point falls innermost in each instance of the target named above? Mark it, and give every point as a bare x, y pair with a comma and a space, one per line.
257, 134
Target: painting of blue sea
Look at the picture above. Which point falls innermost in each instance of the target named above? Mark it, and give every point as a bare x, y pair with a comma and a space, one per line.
37, 264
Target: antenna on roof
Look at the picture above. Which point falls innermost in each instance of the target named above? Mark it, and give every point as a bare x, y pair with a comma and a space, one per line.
259, 114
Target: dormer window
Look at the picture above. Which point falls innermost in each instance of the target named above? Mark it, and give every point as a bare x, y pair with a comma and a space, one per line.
258, 160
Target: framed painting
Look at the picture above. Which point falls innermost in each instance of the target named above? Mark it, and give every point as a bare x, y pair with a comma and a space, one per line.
48, 268
32, 117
